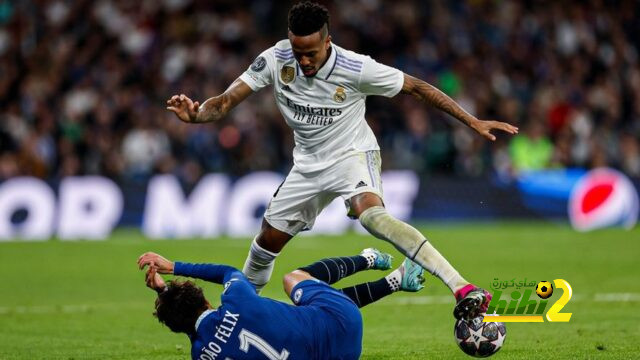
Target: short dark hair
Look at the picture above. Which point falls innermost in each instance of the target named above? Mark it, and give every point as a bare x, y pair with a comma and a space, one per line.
180, 305
306, 18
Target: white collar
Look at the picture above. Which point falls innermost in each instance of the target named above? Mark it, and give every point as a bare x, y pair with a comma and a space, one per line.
327, 68
202, 316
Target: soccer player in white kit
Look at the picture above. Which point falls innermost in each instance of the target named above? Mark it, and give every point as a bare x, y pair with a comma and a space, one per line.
320, 89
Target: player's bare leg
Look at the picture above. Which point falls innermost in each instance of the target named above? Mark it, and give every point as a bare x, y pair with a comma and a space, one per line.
261, 258
369, 209
272, 239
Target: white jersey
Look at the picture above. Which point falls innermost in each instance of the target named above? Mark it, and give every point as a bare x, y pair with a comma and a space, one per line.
326, 112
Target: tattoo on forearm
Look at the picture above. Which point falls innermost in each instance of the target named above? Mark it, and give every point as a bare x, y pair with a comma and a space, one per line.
217, 107
211, 110
431, 95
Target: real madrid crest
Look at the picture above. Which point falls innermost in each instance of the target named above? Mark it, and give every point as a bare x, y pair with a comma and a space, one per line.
340, 95
287, 74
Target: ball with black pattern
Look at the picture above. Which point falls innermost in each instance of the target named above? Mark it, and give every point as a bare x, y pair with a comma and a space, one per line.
544, 289
478, 338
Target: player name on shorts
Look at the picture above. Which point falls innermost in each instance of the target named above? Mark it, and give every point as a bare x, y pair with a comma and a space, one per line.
224, 331
313, 115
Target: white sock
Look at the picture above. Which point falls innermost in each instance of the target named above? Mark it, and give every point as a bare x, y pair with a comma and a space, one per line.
431, 259
259, 265
370, 257
394, 280
412, 244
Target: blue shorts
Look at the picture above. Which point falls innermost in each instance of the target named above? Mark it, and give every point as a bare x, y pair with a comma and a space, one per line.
339, 315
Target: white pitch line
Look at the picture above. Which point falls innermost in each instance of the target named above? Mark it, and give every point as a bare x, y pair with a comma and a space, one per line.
71, 309
617, 297
391, 301
419, 300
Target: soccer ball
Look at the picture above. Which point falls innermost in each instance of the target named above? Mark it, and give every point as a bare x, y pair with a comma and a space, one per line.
479, 339
544, 289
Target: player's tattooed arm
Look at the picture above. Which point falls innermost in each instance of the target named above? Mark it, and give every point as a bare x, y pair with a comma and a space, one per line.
429, 94
213, 109
425, 92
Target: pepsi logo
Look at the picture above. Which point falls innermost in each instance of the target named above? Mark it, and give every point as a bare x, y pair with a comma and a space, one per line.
602, 198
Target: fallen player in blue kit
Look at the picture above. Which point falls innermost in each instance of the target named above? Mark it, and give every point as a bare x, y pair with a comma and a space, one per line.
325, 323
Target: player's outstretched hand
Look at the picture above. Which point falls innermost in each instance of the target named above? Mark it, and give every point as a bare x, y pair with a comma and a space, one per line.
184, 108
154, 280
484, 127
153, 260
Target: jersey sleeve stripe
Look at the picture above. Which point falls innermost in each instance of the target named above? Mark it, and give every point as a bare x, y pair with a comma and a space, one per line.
283, 52
347, 66
343, 61
280, 57
353, 62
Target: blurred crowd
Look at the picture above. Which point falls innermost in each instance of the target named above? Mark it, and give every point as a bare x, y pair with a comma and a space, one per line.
83, 84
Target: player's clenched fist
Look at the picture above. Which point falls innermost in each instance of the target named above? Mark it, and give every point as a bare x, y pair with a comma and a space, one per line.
184, 108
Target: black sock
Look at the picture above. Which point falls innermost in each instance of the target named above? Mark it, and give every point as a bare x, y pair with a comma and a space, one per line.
366, 293
333, 269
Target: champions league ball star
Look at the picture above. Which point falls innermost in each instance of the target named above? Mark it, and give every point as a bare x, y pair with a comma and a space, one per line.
479, 339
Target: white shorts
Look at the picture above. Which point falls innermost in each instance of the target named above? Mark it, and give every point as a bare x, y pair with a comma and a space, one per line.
302, 196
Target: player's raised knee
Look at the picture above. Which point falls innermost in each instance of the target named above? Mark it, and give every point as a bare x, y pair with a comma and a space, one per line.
361, 202
293, 278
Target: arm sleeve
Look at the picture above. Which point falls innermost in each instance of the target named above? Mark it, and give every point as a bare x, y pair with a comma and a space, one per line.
380, 79
236, 285
218, 274
260, 73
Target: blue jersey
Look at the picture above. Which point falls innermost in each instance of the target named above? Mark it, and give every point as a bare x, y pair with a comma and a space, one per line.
325, 325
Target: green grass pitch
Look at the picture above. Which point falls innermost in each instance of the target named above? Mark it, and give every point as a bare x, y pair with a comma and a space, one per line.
87, 300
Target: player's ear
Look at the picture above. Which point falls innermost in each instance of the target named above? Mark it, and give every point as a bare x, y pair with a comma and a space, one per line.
327, 42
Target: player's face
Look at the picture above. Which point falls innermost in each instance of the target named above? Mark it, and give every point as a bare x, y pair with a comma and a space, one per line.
310, 51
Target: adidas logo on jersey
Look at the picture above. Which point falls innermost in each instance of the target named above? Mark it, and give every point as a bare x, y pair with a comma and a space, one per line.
361, 184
